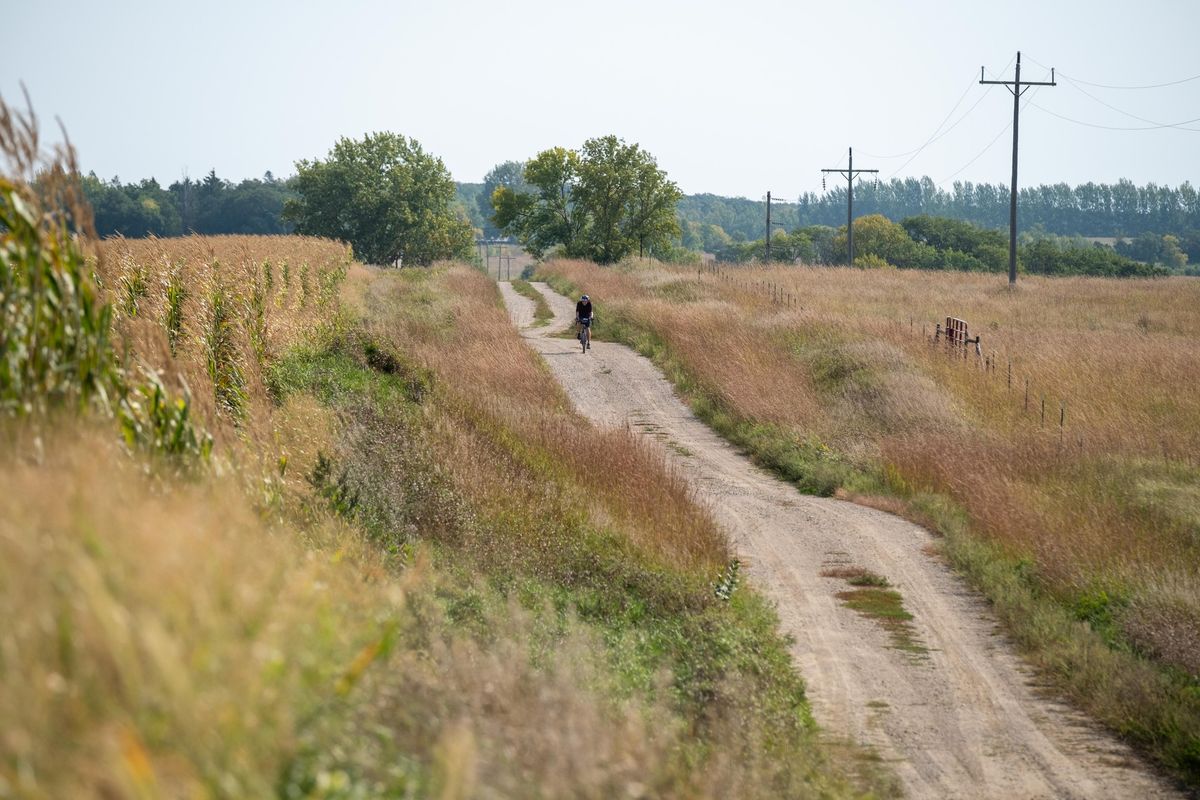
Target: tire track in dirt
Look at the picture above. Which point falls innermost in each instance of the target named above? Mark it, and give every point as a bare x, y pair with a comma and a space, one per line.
960, 717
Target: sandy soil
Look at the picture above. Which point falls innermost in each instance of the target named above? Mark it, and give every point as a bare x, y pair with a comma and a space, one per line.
956, 715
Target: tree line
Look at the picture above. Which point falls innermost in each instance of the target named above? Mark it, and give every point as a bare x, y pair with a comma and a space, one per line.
939, 243
395, 203
383, 194
1121, 209
608, 199
208, 206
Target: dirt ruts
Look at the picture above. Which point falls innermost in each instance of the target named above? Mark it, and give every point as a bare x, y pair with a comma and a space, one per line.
954, 710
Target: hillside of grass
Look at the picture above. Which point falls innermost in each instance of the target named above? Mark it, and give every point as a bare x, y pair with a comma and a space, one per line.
282, 525
1083, 535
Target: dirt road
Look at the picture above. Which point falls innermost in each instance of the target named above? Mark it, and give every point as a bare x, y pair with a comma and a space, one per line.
955, 712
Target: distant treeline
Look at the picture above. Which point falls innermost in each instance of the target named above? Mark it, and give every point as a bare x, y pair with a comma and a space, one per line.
1159, 221
1120, 209
208, 206
213, 205
940, 243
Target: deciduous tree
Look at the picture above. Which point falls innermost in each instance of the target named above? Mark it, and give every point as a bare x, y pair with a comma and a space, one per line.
602, 203
510, 174
385, 196
547, 216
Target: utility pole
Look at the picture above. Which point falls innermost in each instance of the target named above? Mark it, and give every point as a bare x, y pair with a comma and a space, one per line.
850, 173
1017, 88
768, 226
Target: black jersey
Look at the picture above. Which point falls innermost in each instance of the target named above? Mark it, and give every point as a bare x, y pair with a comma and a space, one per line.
583, 310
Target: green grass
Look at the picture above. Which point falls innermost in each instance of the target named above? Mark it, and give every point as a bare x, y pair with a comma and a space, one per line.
875, 598
541, 309
883, 604
887, 607
1156, 708
348, 371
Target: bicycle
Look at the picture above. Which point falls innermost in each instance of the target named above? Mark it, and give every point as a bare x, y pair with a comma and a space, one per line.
585, 333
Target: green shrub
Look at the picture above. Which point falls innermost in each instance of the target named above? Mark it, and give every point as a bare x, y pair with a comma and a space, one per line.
871, 261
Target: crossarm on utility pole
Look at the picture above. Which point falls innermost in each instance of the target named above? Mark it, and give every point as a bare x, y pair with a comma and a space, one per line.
849, 174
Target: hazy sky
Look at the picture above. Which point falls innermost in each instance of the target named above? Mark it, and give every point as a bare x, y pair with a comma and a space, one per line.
732, 97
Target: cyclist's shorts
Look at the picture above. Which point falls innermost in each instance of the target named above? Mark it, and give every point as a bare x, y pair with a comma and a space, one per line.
587, 323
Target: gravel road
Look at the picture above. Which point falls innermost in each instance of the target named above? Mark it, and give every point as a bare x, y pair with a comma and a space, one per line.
957, 713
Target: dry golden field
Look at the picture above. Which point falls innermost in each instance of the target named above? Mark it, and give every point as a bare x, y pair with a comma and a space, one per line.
1100, 513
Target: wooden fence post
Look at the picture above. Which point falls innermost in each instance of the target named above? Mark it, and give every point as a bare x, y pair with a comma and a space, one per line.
1062, 420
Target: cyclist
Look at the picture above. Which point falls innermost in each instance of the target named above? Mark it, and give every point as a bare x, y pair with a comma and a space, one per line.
583, 315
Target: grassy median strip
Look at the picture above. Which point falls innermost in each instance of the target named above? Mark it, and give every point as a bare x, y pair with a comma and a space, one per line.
874, 597
541, 309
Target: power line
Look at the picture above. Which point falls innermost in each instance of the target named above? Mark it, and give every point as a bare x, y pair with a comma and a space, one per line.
935, 136
995, 139
1123, 88
1148, 86
1140, 119
1154, 124
1174, 125
942, 135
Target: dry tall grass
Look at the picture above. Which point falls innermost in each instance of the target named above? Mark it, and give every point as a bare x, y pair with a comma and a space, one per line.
172, 645
455, 326
1108, 514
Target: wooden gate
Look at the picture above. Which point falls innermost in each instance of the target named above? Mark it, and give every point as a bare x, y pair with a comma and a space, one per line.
956, 331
